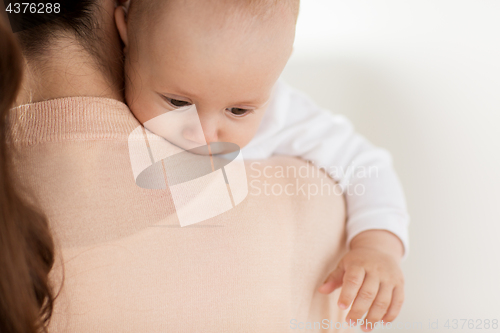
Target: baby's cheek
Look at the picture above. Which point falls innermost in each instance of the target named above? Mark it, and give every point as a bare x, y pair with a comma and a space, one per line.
131, 99
143, 107
245, 133
135, 106
135, 94
132, 79
253, 126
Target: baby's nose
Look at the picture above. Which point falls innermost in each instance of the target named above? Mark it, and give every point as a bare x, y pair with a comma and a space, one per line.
194, 134
210, 130
210, 135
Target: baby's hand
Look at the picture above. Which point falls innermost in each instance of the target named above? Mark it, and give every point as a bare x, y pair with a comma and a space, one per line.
372, 278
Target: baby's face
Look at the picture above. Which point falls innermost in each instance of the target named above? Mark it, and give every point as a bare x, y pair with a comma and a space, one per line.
187, 58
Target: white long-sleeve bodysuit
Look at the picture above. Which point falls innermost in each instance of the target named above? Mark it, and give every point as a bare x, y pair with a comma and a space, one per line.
294, 125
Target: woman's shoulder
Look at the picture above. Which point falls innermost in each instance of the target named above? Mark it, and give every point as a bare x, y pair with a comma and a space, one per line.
70, 118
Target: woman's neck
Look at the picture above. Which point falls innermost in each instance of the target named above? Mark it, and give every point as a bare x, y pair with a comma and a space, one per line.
66, 70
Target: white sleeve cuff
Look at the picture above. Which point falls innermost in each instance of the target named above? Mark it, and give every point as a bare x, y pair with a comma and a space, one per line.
395, 224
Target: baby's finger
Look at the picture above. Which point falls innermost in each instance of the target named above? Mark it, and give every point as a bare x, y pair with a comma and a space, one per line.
333, 282
379, 306
396, 304
364, 298
352, 281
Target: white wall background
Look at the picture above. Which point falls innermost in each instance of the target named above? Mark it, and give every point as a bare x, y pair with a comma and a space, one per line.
422, 78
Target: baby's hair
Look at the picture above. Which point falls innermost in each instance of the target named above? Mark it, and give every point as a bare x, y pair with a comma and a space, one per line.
146, 12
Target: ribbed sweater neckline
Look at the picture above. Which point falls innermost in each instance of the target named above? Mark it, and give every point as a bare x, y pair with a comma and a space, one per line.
70, 118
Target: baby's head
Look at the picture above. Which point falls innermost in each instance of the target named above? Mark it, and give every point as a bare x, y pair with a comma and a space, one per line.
224, 56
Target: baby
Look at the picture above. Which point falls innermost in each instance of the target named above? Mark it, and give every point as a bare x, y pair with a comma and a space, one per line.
225, 58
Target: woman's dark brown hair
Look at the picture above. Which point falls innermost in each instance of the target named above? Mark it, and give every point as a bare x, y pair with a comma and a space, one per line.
26, 245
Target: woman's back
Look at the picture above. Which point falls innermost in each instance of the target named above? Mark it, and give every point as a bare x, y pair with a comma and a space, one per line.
129, 266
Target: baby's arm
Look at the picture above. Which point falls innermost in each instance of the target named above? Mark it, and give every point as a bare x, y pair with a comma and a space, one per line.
377, 225
294, 125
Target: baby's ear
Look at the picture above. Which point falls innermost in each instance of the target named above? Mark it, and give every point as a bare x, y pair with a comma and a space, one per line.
121, 24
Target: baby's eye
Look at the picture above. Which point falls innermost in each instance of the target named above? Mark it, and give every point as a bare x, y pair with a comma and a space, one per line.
176, 103
238, 111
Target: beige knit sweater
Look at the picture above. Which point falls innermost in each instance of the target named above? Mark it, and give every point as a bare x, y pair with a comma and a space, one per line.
129, 266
